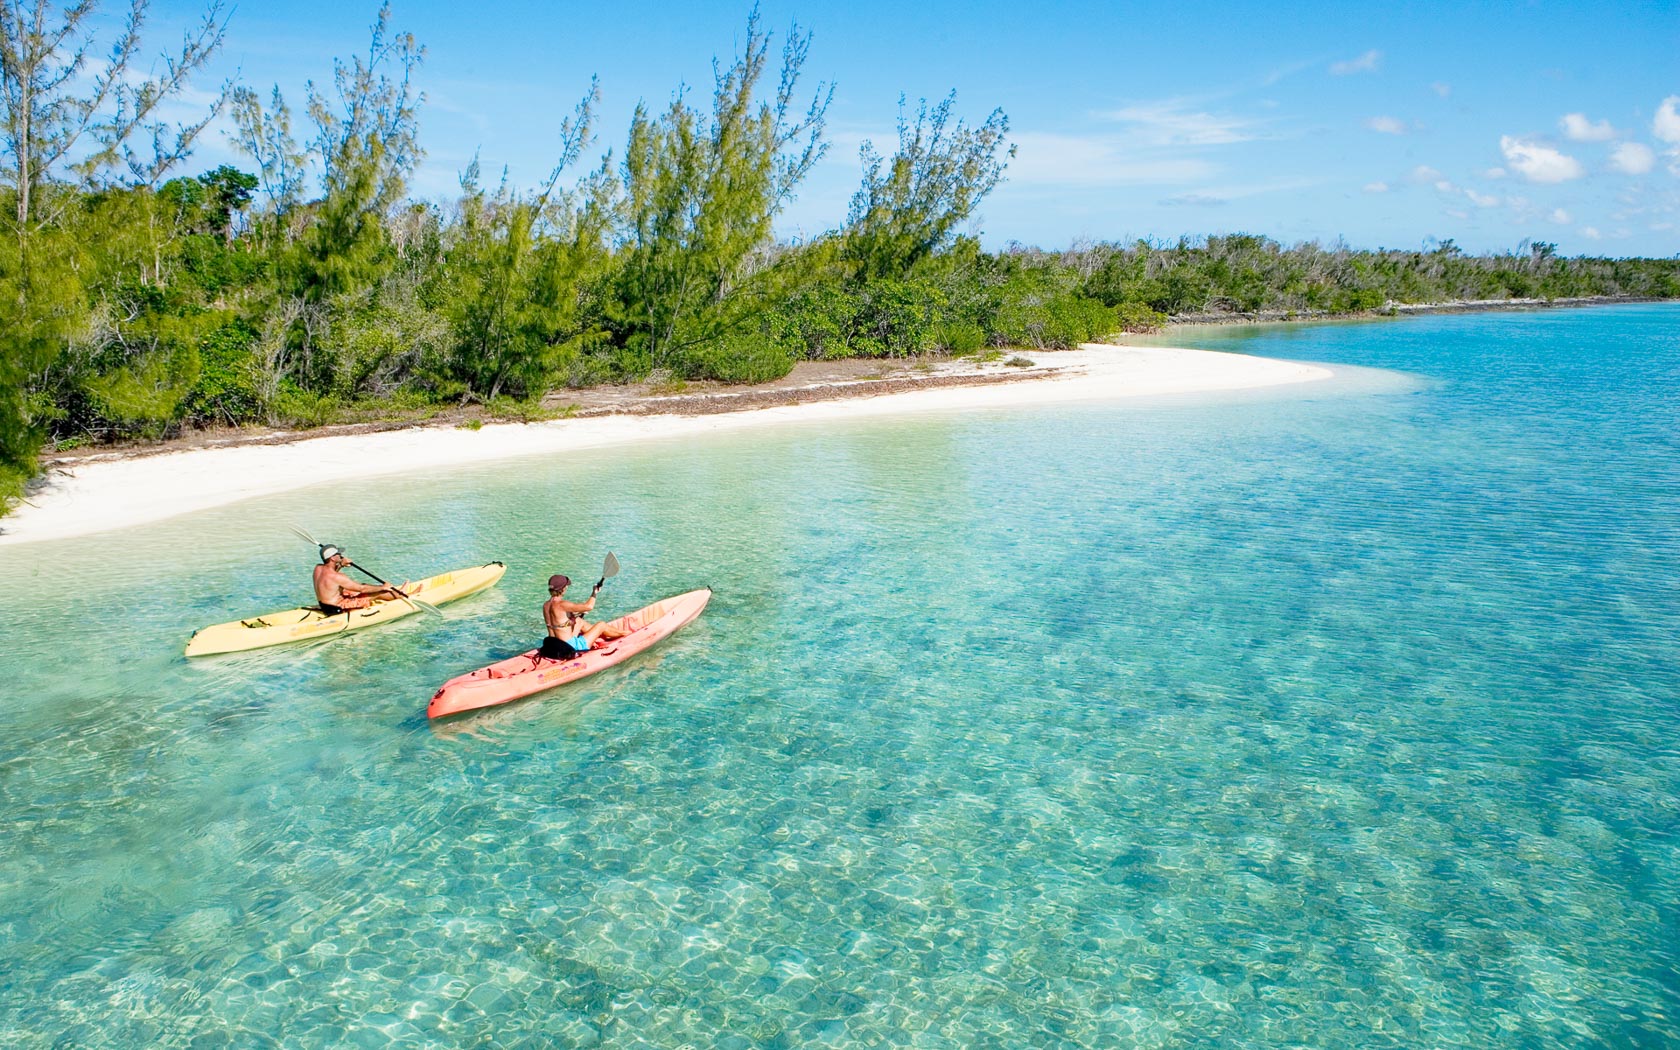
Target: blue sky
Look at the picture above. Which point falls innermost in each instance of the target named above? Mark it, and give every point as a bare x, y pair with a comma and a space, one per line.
1390, 125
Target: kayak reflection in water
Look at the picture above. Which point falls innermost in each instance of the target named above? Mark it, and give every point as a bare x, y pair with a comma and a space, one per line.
337, 592
568, 632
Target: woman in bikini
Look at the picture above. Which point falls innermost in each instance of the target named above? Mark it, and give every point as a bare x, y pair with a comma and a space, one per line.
568, 632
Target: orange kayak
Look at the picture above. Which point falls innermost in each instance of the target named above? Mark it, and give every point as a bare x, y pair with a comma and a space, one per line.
526, 674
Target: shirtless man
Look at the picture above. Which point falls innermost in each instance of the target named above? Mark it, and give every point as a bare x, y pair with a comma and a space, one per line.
568, 632
337, 592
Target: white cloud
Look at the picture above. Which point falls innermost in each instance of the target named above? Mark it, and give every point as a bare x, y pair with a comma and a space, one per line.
1561, 217
1591, 233
1386, 125
1366, 63
1376, 187
1666, 124
1579, 128
1172, 122
1441, 88
1632, 158
1495, 173
1445, 186
1539, 163
1284, 72
1043, 159
1424, 173
1194, 200
1458, 213
1482, 200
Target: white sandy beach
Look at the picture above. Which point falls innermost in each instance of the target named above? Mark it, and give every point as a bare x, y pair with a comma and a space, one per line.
100, 495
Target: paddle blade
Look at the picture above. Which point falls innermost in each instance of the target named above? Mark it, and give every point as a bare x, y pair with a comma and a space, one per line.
305, 535
426, 606
609, 568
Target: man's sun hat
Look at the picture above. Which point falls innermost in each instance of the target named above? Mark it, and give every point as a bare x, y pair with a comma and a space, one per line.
558, 583
329, 552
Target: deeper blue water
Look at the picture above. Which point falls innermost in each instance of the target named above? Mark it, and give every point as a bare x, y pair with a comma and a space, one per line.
1336, 716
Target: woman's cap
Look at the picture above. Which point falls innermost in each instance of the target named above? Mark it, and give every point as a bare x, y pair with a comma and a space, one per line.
558, 583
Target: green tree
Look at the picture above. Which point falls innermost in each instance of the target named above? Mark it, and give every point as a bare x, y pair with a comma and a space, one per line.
514, 272
265, 135
366, 143
700, 194
911, 205
71, 123
68, 120
334, 250
227, 192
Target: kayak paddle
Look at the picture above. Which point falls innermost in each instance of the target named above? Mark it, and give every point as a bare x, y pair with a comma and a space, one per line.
410, 599
609, 569
417, 603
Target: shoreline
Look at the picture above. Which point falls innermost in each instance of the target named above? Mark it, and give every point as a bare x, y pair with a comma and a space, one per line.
598, 402
1393, 310
100, 491
873, 378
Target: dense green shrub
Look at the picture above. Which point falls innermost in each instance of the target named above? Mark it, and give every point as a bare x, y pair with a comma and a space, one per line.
1039, 307
958, 337
1356, 300
1132, 316
145, 397
743, 358
226, 389
816, 322
294, 406
894, 319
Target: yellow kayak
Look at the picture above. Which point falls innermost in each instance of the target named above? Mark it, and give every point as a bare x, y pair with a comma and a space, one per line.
299, 625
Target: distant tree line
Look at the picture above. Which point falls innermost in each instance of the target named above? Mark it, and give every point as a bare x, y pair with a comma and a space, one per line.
1246, 274
313, 288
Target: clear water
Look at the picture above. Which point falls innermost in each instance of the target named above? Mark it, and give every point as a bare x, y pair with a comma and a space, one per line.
1335, 717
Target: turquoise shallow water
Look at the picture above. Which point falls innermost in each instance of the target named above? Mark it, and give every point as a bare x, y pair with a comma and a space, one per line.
1342, 716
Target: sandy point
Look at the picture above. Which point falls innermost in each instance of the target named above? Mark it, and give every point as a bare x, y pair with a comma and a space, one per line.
100, 494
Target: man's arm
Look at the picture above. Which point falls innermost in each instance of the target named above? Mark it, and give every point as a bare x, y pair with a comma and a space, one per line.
346, 585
